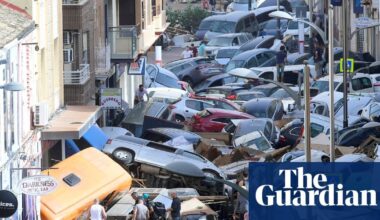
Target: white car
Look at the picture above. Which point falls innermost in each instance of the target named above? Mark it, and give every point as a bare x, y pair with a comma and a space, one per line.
255, 140
375, 81
360, 83
166, 95
293, 28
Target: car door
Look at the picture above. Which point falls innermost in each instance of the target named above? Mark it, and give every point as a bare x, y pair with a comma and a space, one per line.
157, 154
192, 107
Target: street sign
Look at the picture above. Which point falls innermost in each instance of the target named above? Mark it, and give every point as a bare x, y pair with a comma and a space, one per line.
38, 185
363, 22
8, 203
350, 65
138, 67
336, 2
357, 7
111, 98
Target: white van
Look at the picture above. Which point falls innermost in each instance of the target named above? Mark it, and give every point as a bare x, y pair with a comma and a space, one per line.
290, 73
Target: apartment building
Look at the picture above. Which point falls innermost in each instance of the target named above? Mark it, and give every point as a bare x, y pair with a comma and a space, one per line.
133, 27
86, 53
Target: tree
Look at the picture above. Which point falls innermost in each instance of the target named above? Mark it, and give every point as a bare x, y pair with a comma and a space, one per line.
188, 19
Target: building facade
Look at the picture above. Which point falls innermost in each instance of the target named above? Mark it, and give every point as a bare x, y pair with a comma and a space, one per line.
86, 53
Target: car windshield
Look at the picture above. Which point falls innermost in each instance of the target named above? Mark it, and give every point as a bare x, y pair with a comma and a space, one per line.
323, 85
167, 81
245, 127
221, 42
241, 1
223, 27
233, 64
260, 143
294, 25
205, 25
226, 53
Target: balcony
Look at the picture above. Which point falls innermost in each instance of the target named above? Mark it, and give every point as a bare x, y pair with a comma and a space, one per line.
78, 77
74, 2
123, 41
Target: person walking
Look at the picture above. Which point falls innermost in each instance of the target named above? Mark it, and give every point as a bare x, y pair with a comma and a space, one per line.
241, 204
139, 94
97, 211
194, 50
318, 61
140, 211
205, 4
202, 49
280, 63
187, 53
175, 209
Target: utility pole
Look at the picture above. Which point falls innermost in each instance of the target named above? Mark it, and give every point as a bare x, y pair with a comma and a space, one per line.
331, 80
249, 5
307, 130
345, 13
278, 21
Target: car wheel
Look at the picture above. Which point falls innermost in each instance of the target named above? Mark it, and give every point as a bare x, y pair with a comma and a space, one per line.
124, 156
179, 119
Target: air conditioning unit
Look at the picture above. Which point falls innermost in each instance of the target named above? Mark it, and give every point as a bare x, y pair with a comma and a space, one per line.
41, 114
68, 55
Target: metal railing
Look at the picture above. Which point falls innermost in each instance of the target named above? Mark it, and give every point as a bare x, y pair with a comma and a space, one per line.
123, 42
78, 77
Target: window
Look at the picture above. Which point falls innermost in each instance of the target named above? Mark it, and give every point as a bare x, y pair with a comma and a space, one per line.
271, 110
207, 105
361, 83
166, 80
222, 120
68, 55
316, 129
223, 105
291, 77
267, 44
252, 63
196, 105
67, 37
267, 75
239, 27
261, 58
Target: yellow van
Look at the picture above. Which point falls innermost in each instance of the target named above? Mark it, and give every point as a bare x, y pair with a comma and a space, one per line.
81, 178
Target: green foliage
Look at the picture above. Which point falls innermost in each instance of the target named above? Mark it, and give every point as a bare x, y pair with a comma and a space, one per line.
188, 19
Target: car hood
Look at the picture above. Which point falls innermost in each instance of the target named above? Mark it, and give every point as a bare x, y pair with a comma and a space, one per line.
223, 61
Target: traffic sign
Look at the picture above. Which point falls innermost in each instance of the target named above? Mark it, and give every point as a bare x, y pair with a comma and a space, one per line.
363, 22
350, 65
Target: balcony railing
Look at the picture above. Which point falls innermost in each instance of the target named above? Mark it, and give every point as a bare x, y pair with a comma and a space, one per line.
123, 41
73, 2
78, 77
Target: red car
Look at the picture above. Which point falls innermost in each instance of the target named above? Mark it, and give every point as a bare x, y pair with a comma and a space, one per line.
214, 120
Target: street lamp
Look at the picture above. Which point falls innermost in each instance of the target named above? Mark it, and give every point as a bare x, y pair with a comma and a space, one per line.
12, 87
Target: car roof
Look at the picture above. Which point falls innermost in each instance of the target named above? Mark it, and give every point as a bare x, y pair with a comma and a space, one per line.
248, 54
262, 10
253, 43
339, 77
271, 68
173, 132
234, 16
226, 87
294, 56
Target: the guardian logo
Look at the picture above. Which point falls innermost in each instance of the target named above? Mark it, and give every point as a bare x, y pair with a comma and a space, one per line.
305, 189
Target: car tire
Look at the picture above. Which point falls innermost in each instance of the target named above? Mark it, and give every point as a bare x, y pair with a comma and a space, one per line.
179, 119
125, 156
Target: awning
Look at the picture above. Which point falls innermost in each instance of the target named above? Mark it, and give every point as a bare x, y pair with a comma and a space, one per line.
72, 123
96, 137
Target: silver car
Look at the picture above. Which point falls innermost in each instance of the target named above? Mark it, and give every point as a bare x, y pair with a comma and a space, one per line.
130, 150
